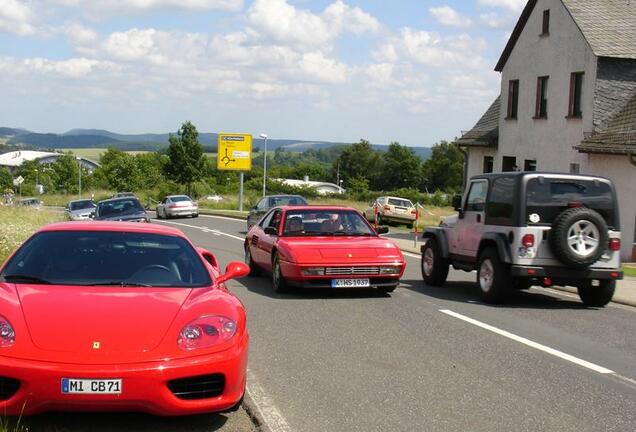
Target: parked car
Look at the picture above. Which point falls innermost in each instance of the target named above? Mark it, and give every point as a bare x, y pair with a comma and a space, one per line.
214, 198
30, 202
391, 209
531, 228
268, 202
322, 247
123, 195
80, 209
119, 317
121, 209
177, 205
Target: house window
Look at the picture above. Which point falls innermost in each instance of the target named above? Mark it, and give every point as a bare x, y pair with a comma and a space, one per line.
509, 163
545, 28
513, 98
575, 168
576, 90
488, 164
541, 111
530, 165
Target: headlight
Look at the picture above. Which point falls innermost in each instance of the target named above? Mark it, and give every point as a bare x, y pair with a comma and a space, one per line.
205, 332
390, 270
7, 334
313, 271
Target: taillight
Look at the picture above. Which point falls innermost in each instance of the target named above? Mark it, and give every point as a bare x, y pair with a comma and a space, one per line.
172, 206
413, 211
615, 244
387, 208
527, 240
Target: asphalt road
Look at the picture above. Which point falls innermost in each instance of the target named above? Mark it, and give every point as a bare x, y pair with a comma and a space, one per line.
426, 358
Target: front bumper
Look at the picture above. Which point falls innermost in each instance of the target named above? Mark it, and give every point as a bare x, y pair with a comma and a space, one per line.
144, 385
295, 278
565, 274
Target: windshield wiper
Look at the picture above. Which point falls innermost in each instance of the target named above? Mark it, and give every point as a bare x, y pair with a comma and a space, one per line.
25, 279
120, 284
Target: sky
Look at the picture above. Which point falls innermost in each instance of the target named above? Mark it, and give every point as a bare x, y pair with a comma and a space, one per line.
411, 71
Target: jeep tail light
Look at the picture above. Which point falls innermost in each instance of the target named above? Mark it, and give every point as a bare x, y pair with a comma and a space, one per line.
527, 240
575, 204
615, 244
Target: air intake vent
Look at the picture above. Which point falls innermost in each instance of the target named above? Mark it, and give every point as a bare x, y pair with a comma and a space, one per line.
8, 387
357, 270
198, 387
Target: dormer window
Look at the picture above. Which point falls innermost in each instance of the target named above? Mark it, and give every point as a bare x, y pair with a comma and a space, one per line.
545, 29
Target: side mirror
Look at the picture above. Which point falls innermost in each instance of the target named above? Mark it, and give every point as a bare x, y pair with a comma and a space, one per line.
254, 208
92, 215
382, 230
208, 256
271, 231
457, 203
235, 269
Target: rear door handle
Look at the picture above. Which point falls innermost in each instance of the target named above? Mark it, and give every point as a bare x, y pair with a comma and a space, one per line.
478, 218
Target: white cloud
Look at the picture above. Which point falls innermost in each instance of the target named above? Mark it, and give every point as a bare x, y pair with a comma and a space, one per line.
79, 34
16, 17
70, 68
123, 7
514, 5
446, 15
282, 23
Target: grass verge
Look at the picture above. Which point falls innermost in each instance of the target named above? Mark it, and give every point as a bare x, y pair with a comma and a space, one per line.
18, 224
629, 271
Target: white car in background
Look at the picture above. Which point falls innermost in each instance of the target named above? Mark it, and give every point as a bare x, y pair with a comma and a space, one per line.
177, 206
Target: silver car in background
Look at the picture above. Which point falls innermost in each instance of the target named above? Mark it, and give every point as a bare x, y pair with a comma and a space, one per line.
78, 210
177, 206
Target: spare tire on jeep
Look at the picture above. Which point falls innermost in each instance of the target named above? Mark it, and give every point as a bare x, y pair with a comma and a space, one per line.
579, 237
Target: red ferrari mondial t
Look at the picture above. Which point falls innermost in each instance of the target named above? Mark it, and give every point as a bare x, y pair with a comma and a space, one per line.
110, 316
322, 247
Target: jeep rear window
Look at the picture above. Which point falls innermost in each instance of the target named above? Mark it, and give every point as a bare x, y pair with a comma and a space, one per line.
546, 198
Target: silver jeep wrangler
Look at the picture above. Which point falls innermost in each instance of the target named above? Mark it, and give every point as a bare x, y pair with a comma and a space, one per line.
529, 228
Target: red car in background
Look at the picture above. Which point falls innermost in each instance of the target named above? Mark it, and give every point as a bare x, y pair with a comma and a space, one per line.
322, 247
112, 316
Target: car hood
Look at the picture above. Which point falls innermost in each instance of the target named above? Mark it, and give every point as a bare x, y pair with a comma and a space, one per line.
123, 216
82, 212
345, 250
63, 318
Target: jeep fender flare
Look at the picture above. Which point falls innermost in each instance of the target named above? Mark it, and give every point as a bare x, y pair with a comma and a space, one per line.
500, 242
440, 236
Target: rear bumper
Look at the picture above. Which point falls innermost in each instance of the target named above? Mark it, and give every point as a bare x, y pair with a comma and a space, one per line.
397, 217
182, 212
565, 274
144, 385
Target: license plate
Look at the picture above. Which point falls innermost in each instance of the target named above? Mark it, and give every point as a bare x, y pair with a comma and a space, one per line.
91, 386
350, 283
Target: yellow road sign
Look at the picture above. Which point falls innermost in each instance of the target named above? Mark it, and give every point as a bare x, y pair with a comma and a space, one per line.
235, 152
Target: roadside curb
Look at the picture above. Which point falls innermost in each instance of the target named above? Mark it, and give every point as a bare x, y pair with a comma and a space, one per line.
622, 301
254, 413
207, 212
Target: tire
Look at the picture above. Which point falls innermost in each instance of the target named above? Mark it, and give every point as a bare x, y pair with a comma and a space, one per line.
196, 215
278, 280
388, 289
579, 237
493, 276
434, 267
378, 219
254, 268
158, 215
598, 296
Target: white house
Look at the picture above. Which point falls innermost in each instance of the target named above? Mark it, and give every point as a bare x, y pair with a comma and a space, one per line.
323, 188
12, 160
568, 99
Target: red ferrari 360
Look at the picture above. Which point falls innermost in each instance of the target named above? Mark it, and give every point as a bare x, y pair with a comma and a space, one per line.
119, 316
322, 247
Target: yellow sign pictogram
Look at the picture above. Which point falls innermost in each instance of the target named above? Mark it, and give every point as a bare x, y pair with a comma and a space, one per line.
235, 152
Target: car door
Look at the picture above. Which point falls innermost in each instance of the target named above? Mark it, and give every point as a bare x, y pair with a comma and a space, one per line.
267, 242
255, 237
160, 207
470, 224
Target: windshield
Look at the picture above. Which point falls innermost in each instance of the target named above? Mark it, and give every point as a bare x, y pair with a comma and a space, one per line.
547, 198
81, 205
287, 200
400, 202
107, 258
107, 208
325, 223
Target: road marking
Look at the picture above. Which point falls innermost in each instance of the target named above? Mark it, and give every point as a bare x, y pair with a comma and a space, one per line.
528, 342
205, 229
265, 406
225, 218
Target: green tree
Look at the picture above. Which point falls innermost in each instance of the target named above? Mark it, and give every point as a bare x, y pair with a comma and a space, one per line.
402, 168
359, 160
6, 179
186, 163
65, 173
444, 170
120, 170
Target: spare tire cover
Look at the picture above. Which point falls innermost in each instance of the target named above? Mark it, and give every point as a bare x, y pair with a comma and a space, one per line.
579, 237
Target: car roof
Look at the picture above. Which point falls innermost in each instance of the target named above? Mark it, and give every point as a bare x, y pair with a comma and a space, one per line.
133, 227
396, 197
180, 195
519, 174
315, 207
119, 199
81, 200
283, 195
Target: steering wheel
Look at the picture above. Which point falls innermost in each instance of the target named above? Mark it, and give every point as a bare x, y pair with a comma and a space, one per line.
150, 269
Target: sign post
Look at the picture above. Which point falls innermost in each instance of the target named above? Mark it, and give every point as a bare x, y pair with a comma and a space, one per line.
235, 154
